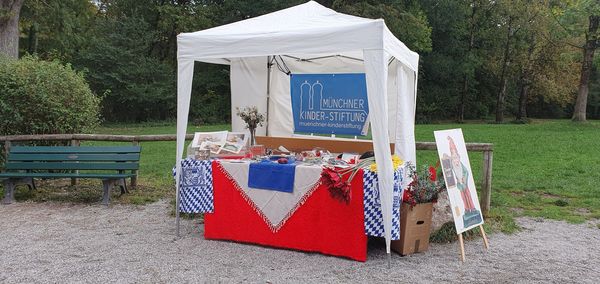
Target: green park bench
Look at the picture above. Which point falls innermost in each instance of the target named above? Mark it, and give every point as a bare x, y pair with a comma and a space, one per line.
111, 164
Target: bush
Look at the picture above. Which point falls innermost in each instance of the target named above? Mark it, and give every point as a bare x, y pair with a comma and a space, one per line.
44, 97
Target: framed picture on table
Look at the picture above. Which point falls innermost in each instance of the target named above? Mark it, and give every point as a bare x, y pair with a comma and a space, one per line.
234, 143
209, 140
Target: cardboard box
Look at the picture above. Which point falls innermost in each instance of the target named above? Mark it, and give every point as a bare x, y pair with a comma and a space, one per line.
415, 226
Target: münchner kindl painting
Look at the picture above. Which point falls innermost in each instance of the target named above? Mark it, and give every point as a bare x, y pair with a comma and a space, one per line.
452, 152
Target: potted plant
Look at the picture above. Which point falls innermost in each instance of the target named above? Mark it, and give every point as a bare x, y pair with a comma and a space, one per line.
417, 208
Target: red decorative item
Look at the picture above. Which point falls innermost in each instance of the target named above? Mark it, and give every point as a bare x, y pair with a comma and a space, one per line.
282, 160
408, 196
338, 187
424, 186
432, 173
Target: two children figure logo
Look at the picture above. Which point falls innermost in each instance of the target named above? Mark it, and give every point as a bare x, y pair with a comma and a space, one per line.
310, 90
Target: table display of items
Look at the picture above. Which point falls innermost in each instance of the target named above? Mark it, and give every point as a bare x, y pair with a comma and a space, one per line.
291, 193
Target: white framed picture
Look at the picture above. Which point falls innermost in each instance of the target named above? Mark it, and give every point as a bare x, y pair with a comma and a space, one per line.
209, 140
234, 143
458, 176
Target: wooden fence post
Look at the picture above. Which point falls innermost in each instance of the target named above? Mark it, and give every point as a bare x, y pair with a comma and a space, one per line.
75, 142
6, 149
486, 185
135, 172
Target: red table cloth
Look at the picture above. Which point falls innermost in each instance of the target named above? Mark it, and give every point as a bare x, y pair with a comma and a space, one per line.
321, 224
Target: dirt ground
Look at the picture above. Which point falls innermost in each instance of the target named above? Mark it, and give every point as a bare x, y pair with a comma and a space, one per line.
57, 242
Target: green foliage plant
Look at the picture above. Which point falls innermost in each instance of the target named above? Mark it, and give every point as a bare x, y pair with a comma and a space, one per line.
44, 97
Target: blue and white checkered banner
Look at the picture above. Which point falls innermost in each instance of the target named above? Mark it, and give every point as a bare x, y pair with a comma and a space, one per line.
372, 204
196, 186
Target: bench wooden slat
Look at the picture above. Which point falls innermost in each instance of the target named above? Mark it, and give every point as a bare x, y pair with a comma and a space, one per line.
70, 166
71, 149
65, 175
73, 157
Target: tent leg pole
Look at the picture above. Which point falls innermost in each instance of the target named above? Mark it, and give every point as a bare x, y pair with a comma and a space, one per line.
268, 91
177, 212
389, 260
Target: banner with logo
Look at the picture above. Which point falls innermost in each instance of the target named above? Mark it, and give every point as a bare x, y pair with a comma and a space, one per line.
330, 103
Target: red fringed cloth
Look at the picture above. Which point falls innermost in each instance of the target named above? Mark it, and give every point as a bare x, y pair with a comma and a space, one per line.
322, 224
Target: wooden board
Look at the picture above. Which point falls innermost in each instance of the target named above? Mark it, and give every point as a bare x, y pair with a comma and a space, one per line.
486, 244
297, 144
74, 157
41, 165
462, 247
63, 175
71, 149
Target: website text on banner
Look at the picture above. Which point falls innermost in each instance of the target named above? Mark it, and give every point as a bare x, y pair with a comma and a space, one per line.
330, 103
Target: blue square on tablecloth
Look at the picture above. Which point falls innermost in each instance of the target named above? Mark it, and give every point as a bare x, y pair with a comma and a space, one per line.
272, 176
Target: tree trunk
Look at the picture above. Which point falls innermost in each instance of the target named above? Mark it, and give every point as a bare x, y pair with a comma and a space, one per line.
525, 81
523, 95
503, 77
465, 90
9, 27
463, 100
579, 113
32, 39
501, 99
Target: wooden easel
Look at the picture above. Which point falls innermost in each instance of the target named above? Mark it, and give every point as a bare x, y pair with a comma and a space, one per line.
462, 243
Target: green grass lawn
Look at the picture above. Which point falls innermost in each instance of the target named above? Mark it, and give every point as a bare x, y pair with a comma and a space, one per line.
548, 168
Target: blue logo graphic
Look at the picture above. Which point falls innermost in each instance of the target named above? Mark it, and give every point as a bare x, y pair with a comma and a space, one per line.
330, 103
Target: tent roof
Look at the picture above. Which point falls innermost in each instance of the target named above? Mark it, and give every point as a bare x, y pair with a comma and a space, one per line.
309, 28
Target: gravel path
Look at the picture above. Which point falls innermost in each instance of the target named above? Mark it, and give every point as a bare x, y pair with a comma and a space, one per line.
50, 242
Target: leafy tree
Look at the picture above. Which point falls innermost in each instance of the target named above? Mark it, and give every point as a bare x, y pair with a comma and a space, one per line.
515, 19
405, 19
56, 29
9, 27
545, 68
228, 11
581, 20
450, 80
533, 57
478, 58
526, 61
135, 86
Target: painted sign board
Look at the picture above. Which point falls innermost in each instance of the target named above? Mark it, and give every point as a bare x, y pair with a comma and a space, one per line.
330, 103
459, 180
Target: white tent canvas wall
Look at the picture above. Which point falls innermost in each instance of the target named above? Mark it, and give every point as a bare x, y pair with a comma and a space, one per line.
311, 39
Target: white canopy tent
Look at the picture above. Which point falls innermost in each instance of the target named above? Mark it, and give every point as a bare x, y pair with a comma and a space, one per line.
309, 38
